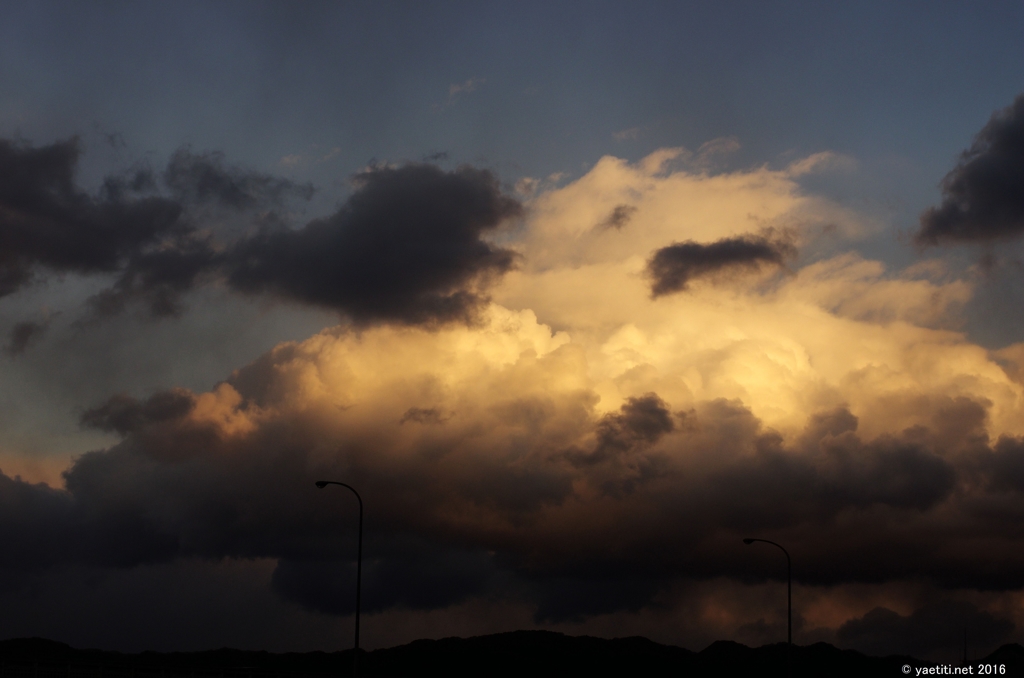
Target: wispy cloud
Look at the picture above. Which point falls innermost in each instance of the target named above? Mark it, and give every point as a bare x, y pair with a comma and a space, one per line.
466, 87
630, 134
314, 156
821, 162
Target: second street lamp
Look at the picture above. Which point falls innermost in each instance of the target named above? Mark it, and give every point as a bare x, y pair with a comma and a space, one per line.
359, 565
789, 597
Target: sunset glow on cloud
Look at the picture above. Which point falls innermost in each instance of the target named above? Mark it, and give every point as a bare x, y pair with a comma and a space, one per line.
565, 401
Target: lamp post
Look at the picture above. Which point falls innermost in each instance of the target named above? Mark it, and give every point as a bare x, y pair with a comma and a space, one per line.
359, 565
789, 598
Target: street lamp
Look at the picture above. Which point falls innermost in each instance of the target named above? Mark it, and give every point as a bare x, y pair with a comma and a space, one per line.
789, 597
359, 564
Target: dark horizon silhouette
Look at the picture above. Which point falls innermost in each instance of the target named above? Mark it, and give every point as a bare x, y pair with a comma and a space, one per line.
517, 653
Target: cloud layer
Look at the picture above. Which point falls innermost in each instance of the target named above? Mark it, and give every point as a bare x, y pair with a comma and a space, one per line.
525, 487
580, 447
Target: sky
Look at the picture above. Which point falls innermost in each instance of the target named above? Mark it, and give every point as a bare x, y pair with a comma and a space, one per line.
576, 295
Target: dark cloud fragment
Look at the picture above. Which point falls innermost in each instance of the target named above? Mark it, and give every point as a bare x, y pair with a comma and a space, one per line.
159, 278
406, 247
641, 421
206, 178
424, 415
120, 187
644, 419
620, 216
983, 196
125, 414
672, 268
621, 460
47, 222
23, 335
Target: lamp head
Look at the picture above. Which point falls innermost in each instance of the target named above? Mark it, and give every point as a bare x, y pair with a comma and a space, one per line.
747, 541
321, 484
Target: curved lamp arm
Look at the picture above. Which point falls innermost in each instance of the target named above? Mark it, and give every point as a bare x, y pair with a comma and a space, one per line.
359, 565
789, 581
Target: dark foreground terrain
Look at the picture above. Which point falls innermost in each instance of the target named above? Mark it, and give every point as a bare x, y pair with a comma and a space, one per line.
521, 653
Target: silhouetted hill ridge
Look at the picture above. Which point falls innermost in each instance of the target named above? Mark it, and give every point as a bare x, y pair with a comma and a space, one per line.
516, 653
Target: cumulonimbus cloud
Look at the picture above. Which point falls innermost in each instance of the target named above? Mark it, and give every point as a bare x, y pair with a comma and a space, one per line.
587, 470
983, 196
526, 484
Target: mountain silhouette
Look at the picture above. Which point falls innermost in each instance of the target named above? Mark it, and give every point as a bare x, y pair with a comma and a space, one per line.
517, 653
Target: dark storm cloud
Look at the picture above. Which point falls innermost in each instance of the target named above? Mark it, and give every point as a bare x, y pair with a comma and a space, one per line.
149, 242
544, 500
529, 490
37, 523
623, 441
46, 222
641, 421
159, 277
1005, 465
672, 268
405, 247
983, 196
844, 474
937, 625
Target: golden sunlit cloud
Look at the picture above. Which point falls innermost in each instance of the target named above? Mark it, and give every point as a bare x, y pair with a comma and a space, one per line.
581, 426
842, 330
